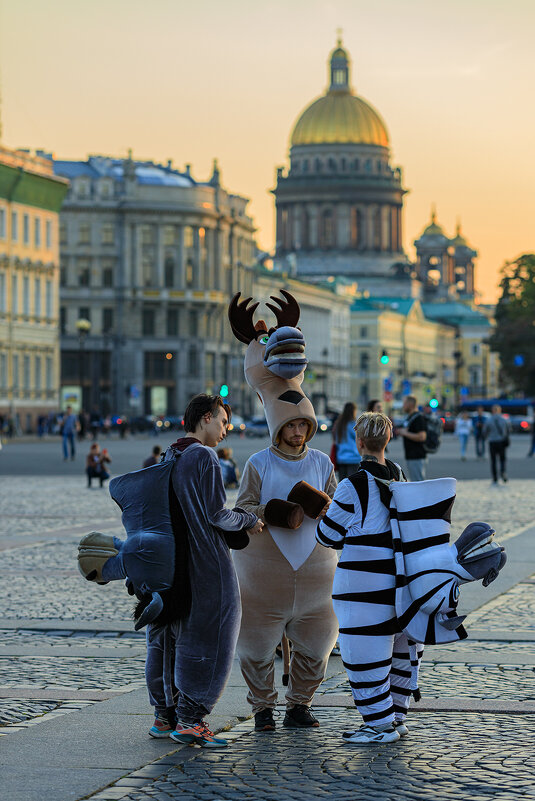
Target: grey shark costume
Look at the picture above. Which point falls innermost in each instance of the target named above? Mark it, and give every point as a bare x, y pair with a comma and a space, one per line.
396, 586
177, 561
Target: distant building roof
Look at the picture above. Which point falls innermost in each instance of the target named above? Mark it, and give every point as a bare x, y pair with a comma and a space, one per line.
455, 313
147, 172
399, 305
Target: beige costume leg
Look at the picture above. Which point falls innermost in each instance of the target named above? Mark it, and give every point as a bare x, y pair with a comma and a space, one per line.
275, 599
313, 628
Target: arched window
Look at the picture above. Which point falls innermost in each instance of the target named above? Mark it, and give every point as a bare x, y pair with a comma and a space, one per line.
318, 165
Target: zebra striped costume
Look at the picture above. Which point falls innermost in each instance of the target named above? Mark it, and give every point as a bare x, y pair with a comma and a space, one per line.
381, 660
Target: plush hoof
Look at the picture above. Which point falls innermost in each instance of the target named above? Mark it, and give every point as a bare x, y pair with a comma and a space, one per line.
151, 612
94, 551
283, 514
311, 499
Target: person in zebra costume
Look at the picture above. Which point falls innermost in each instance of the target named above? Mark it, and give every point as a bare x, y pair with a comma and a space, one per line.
396, 585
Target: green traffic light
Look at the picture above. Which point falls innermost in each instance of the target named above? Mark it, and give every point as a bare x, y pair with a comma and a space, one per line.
433, 403
224, 391
385, 358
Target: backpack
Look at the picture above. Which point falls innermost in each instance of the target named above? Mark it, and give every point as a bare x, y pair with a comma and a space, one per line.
434, 428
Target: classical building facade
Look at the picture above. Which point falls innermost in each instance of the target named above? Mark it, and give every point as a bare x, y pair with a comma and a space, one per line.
446, 267
150, 258
30, 199
339, 206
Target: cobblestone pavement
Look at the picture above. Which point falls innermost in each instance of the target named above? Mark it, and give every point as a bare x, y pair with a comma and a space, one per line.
478, 757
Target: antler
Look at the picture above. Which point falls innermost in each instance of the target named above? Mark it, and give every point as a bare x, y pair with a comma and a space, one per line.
289, 311
241, 319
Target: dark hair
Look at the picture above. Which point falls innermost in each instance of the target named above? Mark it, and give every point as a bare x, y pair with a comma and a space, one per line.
201, 405
347, 414
156, 450
223, 453
371, 404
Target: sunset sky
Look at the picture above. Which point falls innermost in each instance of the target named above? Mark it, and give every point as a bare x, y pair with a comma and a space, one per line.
191, 81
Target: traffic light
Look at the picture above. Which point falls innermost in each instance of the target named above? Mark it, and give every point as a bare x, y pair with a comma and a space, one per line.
385, 358
433, 403
224, 391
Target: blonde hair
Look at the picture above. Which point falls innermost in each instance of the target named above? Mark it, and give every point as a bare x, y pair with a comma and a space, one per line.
374, 429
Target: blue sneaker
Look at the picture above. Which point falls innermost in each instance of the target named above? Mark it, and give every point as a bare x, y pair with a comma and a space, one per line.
160, 728
197, 734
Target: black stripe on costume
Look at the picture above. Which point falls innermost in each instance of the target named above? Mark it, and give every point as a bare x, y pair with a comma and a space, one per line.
431, 570
386, 597
400, 690
360, 666
398, 655
359, 480
335, 526
378, 715
325, 540
401, 709
437, 511
385, 566
409, 613
347, 507
403, 674
430, 635
364, 685
375, 629
375, 700
397, 545
382, 540
427, 542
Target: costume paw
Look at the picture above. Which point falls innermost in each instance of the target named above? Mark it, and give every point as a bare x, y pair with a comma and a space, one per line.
283, 514
311, 499
94, 551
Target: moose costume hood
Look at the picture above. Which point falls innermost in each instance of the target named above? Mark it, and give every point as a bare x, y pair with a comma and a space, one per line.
275, 361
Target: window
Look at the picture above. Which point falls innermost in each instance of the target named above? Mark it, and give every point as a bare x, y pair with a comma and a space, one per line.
188, 236
193, 323
147, 267
62, 234
3, 302
189, 272
107, 277
48, 235
172, 322
37, 303
363, 332
49, 300
15, 369
147, 235
62, 320
107, 320
169, 269
2, 223
26, 373
37, 373
169, 235
84, 234
37, 232
26, 229
63, 276
49, 373
108, 234
475, 349
84, 313
193, 363
14, 226
26, 295
14, 294
3, 371
84, 276
148, 322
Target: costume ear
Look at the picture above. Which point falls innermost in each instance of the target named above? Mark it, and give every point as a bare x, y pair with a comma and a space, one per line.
283, 514
311, 499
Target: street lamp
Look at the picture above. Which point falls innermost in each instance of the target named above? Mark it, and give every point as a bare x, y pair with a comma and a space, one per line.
83, 327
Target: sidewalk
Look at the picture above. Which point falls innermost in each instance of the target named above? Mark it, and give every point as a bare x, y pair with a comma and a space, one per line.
72, 693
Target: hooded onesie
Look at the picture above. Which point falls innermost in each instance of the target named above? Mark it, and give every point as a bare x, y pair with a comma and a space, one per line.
285, 577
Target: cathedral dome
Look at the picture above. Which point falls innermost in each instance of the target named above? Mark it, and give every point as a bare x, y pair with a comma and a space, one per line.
340, 116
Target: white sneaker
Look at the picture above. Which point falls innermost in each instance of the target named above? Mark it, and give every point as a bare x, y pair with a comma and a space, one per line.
401, 727
367, 735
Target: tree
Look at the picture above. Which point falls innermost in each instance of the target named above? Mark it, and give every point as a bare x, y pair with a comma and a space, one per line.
514, 337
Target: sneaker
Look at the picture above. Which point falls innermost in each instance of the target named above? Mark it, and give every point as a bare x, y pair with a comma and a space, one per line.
504, 478
160, 728
300, 717
367, 735
401, 727
263, 720
336, 650
198, 733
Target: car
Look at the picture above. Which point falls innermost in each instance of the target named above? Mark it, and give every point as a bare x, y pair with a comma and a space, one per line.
257, 427
324, 424
520, 424
237, 425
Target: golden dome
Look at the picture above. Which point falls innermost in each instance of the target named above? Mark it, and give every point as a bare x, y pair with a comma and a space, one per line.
340, 117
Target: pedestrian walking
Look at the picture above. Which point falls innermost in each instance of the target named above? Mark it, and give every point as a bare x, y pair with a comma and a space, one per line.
154, 458
69, 428
478, 422
414, 433
497, 431
347, 455
463, 429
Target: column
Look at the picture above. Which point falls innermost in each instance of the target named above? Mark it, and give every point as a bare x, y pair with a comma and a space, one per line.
138, 257
369, 228
313, 225
160, 256
181, 267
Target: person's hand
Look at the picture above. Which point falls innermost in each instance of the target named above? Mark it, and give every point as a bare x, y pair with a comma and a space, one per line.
324, 510
256, 529
401, 432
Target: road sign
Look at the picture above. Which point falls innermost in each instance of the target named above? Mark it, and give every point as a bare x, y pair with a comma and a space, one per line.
406, 387
387, 396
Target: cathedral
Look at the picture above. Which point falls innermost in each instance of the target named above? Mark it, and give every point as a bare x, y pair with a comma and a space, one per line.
339, 206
